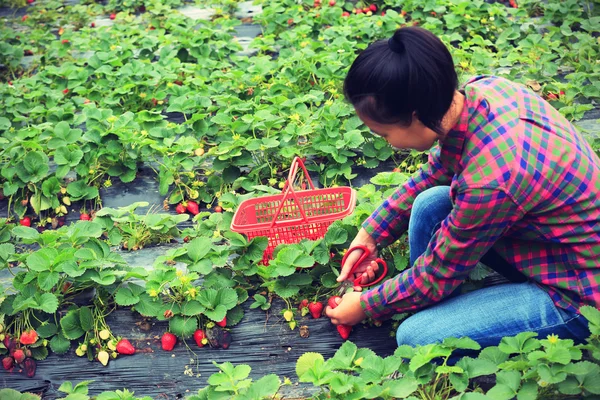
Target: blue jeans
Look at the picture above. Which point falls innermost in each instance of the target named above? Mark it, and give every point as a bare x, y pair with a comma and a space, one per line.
485, 315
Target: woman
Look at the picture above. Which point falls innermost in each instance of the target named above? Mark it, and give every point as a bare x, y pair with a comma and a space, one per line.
511, 184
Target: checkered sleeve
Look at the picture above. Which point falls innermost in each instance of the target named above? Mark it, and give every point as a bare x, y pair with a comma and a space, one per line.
390, 219
480, 217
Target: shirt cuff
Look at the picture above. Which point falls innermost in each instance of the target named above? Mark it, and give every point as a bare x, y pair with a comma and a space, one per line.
372, 304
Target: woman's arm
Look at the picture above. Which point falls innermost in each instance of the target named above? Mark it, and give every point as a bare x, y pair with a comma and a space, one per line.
480, 217
390, 220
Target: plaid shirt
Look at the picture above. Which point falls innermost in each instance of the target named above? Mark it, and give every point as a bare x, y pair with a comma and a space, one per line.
523, 180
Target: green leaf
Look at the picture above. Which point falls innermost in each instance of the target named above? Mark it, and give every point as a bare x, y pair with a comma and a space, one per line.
71, 326
41, 260
426, 354
147, 306
11, 394
493, 354
39, 353
34, 168
198, 248
60, 344
227, 297
592, 314
336, 235
47, 280
125, 297
524, 342
192, 308
507, 384
389, 179
462, 343
25, 233
475, 367
308, 361
48, 303
208, 298
183, 326
86, 319
265, 387
528, 391
553, 374
46, 329
401, 388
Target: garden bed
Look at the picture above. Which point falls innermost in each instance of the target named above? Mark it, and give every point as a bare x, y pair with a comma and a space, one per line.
122, 112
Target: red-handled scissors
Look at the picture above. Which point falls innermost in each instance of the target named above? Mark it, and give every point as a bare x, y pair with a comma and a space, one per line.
365, 253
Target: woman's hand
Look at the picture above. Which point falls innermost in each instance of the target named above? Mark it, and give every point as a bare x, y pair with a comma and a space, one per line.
367, 270
348, 311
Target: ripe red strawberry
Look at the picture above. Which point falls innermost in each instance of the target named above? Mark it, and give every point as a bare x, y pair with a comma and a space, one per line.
290, 21
344, 331
345, 14
513, 3
186, 239
125, 347
332, 3
193, 207
26, 221
223, 322
65, 91
154, 102
180, 209
93, 24
28, 337
199, 337
19, 356
113, 16
8, 363
218, 209
373, 7
315, 308
84, 217
562, 93
366, 10
332, 302
30, 367
65, 41
178, 82
303, 303
168, 341
552, 96
30, 1
24, 18
359, 11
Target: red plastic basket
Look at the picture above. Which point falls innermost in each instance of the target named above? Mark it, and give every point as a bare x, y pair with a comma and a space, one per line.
293, 215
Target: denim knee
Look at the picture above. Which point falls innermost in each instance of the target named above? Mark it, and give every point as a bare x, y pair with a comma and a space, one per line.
431, 200
410, 332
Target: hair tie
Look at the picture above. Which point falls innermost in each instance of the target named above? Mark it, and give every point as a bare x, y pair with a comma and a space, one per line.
395, 45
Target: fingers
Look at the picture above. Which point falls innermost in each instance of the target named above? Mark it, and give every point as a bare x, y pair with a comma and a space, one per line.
331, 314
350, 261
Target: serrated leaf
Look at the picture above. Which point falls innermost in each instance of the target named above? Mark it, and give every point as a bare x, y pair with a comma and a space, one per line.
59, 344
147, 306
125, 297
308, 361
39, 353
192, 308
48, 303
46, 329
86, 319
70, 325
183, 326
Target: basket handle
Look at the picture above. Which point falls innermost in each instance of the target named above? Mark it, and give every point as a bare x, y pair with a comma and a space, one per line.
294, 171
289, 189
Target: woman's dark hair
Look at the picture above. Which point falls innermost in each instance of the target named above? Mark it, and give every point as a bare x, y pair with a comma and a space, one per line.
411, 72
